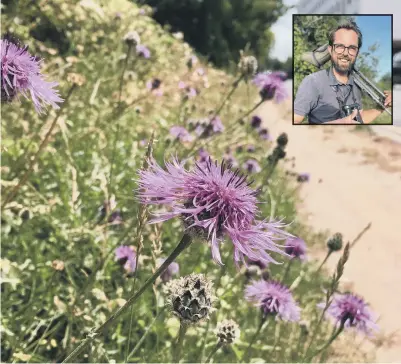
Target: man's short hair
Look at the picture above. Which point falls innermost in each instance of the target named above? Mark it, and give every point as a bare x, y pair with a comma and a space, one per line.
350, 25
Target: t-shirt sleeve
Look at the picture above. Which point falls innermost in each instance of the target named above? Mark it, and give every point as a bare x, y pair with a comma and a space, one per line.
306, 98
358, 96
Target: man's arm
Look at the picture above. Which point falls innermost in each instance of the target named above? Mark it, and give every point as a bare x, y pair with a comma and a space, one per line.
368, 116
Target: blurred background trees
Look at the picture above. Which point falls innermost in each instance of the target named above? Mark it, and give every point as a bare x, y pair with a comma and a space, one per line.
219, 29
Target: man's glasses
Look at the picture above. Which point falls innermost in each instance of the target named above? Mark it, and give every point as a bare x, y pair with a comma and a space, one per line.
340, 48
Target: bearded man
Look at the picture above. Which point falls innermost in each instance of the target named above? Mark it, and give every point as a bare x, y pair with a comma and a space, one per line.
322, 95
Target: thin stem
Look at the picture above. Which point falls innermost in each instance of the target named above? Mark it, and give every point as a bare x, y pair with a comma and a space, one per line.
287, 270
214, 351
42, 145
235, 85
316, 330
183, 244
325, 346
120, 91
145, 334
248, 350
324, 261
366, 228
180, 339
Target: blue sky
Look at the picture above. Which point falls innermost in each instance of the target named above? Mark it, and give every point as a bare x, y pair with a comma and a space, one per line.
377, 29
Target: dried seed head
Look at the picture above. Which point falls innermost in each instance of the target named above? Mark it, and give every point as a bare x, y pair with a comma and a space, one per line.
335, 243
248, 65
132, 38
227, 331
191, 298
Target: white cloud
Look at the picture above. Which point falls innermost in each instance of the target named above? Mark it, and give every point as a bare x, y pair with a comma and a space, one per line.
282, 30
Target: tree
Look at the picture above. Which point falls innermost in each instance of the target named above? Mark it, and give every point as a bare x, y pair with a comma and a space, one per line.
219, 29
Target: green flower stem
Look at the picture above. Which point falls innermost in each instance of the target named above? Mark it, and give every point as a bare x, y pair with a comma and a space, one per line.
230, 93
180, 340
42, 145
120, 90
367, 227
325, 346
287, 270
214, 351
183, 244
248, 350
324, 261
145, 334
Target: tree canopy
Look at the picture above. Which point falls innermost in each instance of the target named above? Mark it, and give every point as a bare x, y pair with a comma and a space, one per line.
219, 29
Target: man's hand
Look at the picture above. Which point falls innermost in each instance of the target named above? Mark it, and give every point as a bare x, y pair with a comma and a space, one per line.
350, 118
389, 98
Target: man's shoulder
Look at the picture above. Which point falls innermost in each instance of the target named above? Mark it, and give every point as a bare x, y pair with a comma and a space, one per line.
316, 76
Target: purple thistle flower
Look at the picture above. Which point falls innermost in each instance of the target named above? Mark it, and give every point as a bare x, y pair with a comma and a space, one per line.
250, 148
296, 248
172, 270
20, 74
154, 84
353, 311
303, 177
213, 202
264, 134
181, 134
230, 160
200, 71
126, 256
274, 299
252, 166
191, 92
143, 51
271, 86
203, 155
217, 125
256, 122
182, 85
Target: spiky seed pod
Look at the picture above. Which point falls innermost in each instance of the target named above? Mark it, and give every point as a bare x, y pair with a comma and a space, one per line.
282, 140
248, 65
132, 38
191, 300
227, 331
335, 243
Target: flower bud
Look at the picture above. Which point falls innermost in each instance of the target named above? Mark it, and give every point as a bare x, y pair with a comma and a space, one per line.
227, 331
335, 243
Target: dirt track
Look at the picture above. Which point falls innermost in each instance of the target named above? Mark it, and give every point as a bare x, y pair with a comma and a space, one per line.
361, 183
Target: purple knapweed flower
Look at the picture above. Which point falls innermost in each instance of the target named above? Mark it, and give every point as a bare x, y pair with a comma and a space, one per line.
250, 148
352, 311
252, 166
126, 256
153, 84
213, 202
296, 247
182, 85
172, 270
143, 51
181, 134
230, 160
274, 299
191, 92
217, 125
256, 122
303, 177
264, 134
20, 74
203, 155
200, 71
271, 86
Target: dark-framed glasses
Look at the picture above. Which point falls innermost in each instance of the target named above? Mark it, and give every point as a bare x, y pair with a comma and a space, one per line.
340, 48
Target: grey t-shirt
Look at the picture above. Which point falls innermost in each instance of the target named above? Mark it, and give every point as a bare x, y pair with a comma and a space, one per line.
317, 96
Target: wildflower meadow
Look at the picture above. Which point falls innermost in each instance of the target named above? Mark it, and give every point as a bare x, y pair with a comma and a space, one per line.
147, 211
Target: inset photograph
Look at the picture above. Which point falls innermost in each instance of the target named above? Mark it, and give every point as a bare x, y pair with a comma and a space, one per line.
342, 69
